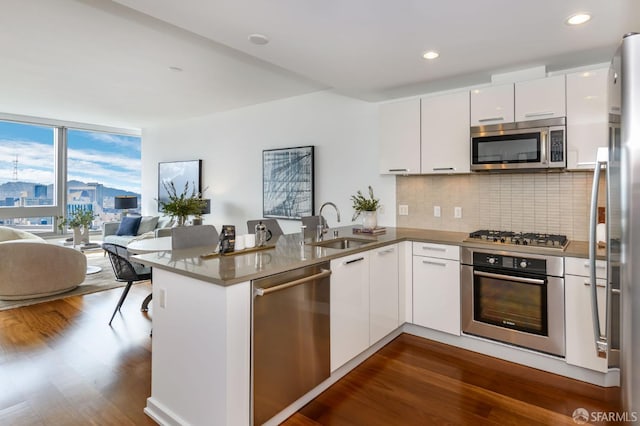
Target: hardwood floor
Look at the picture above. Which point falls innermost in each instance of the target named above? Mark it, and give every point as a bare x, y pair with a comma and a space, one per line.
413, 381
61, 364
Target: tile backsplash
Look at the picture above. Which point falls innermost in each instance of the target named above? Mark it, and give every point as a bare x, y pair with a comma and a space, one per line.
556, 203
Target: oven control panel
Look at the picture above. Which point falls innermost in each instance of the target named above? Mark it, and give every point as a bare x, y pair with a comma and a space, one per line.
510, 263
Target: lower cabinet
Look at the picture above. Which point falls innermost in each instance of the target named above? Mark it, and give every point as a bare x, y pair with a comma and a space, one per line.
349, 307
436, 287
383, 292
580, 341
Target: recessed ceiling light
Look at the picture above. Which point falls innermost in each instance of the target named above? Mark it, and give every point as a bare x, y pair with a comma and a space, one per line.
175, 69
432, 54
259, 39
578, 18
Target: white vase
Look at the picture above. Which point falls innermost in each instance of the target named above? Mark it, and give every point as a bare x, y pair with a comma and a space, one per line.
369, 219
77, 235
84, 232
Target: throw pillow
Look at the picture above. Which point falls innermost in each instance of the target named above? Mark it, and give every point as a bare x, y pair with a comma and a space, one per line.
129, 225
147, 224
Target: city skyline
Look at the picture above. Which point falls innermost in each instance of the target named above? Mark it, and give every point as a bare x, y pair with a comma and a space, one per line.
109, 159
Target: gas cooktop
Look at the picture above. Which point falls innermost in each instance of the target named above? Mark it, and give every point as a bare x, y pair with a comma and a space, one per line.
552, 241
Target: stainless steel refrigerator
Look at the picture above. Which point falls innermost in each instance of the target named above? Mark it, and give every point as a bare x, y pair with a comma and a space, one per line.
619, 341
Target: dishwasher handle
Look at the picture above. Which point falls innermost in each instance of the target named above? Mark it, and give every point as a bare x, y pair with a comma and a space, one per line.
265, 291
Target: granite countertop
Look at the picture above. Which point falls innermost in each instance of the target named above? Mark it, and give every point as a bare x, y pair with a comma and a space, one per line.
286, 253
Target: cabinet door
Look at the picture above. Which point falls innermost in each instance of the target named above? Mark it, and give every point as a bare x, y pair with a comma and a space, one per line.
587, 117
541, 98
445, 134
436, 294
492, 105
400, 137
349, 308
383, 292
581, 348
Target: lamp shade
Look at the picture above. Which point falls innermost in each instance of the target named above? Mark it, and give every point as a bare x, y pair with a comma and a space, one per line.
126, 202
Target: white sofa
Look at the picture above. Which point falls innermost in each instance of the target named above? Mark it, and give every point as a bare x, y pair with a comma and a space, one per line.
30, 267
150, 227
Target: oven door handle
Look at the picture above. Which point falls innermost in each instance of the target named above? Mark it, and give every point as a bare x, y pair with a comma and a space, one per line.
510, 278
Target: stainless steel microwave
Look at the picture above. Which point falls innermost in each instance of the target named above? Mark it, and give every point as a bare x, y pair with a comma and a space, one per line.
539, 144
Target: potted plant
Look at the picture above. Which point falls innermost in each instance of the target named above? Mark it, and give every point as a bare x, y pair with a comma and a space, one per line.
367, 207
79, 221
181, 206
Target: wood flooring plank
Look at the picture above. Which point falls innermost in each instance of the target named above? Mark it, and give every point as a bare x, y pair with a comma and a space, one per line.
414, 381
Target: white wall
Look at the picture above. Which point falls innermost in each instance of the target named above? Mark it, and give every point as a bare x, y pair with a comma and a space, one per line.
344, 132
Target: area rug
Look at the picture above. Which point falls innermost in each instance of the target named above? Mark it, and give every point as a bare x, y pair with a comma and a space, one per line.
100, 281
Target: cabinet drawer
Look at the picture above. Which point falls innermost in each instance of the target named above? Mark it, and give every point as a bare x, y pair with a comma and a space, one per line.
580, 267
440, 251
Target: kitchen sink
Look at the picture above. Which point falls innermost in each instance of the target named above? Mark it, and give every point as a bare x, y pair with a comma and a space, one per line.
343, 243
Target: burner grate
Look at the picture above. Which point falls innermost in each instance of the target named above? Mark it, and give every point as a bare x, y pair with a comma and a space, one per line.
520, 238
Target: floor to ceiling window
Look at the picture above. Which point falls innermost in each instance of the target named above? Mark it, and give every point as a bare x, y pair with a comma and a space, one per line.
101, 166
48, 169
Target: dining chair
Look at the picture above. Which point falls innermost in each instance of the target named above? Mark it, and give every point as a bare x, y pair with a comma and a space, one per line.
127, 271
183, 237
271, 224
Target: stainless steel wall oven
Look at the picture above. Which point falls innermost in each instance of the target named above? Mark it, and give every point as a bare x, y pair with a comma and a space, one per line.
514, 298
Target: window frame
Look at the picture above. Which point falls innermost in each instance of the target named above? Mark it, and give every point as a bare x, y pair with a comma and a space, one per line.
60, 165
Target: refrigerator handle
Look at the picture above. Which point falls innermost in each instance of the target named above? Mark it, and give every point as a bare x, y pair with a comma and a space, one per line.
600, 339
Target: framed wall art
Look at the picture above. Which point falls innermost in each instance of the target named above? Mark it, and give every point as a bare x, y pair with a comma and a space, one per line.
288, 182
180, 173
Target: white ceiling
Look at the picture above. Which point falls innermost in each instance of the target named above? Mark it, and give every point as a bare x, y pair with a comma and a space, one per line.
107, 62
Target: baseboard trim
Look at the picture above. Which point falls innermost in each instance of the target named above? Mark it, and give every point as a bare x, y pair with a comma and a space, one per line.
162, 415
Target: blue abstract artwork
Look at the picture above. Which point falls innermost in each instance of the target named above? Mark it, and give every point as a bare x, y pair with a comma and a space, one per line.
287, 182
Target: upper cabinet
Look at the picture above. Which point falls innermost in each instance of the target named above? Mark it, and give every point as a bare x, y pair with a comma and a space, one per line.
445, 134
540, 99
492, 105
525, 100
587, 117
400, 137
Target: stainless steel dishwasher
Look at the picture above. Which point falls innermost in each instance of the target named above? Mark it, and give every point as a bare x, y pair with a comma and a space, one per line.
290, 338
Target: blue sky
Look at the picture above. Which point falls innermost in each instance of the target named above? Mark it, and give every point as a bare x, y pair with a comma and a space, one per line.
110, 159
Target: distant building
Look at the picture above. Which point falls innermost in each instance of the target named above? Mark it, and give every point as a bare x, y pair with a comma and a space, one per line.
40, 191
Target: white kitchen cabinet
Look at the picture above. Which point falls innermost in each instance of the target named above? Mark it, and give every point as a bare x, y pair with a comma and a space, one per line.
400, 137
383, 292
492, 105
540, 99
436, 287
445, 134
580, 343
587, 117
349, 310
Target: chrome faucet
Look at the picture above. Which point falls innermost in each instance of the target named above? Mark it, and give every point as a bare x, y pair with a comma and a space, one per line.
325, 228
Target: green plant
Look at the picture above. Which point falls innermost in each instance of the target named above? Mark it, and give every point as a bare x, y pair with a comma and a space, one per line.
182, 205
80, 217
363, 204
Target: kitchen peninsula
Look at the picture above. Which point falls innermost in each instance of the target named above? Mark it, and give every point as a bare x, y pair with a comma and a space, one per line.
201, 357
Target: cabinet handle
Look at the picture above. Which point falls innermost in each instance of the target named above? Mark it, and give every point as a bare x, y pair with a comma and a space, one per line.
587, 283
482, 120
435, 169
387, 251
586, 265
399, 170
615, 108
586, 163
349, 262
433, 248
538, 114
429, 262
